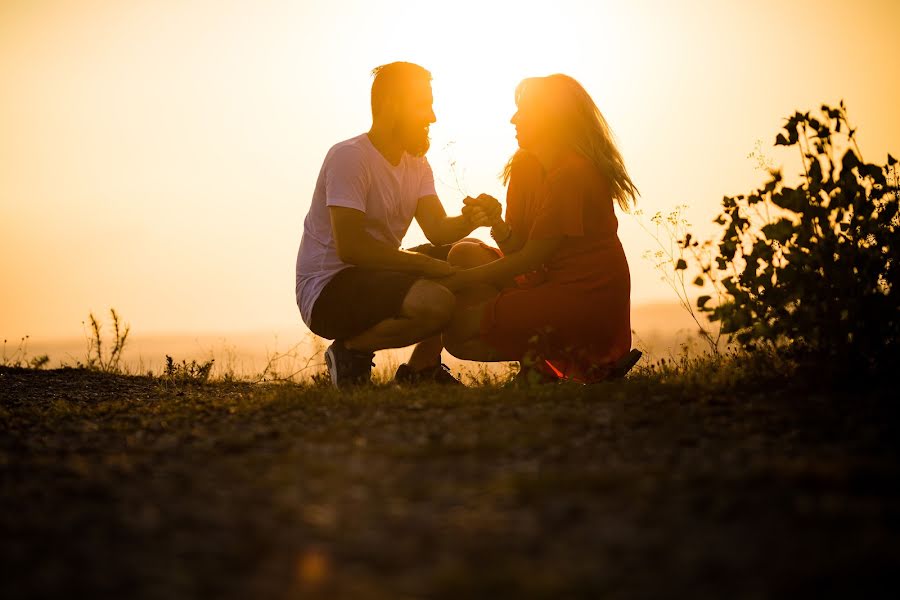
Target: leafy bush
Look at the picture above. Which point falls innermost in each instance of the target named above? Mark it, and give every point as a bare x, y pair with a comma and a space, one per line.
813, 268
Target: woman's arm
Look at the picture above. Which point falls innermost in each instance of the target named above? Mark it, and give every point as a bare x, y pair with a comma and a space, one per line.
533, 254
509, 240
487, 207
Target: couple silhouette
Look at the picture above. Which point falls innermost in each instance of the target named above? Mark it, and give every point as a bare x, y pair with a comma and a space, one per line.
553, 294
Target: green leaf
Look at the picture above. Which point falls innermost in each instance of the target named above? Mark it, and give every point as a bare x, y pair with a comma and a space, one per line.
815, 171
791, 199
727, 248
850, 161
780, 231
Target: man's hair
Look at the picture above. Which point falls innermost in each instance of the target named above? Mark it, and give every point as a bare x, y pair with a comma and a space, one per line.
393, 80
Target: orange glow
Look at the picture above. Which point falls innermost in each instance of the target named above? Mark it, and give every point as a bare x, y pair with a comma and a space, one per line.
159, 157
313, 568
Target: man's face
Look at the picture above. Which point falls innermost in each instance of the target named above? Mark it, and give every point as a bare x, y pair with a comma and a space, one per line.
415, 116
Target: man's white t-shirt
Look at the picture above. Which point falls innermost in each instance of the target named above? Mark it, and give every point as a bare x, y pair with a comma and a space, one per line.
355, 175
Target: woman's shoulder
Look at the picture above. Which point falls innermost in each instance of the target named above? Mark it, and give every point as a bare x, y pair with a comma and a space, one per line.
573, 168
573, 164
525, 167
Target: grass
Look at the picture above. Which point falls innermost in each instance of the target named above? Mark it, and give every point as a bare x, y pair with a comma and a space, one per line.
98, 359
725, 478
19, 358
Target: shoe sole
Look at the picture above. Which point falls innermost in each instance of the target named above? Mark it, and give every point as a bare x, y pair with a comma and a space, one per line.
330, 364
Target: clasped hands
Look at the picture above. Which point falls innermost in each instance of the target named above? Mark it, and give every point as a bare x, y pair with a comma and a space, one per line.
483, 211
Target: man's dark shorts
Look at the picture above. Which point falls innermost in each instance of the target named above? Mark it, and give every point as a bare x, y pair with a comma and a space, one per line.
357, 299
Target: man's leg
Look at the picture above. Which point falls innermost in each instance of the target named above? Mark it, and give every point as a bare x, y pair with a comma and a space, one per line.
426, 309
462, 337
426, 354
465, 254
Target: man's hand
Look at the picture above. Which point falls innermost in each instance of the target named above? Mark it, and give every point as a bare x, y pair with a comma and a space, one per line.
435, 269
483, 211
458, 280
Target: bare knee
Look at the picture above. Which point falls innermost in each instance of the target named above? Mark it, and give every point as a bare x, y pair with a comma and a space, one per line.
430, 303
470, 253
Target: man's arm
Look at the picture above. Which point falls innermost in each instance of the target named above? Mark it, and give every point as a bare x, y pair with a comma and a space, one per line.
438, 227
356, 247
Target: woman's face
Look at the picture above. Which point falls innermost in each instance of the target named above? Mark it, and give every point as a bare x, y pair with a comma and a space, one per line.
532, 124
537, 122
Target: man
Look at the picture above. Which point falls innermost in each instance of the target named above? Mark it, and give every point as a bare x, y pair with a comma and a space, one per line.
353, 283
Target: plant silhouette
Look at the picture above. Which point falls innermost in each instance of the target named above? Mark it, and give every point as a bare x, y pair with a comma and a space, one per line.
812, 269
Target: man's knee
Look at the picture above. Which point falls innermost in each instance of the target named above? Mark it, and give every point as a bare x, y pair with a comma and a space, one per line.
468, 254
429, 301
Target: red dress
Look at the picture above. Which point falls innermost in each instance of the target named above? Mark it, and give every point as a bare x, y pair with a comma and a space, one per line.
573, 313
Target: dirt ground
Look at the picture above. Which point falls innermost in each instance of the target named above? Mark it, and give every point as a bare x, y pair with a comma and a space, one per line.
125, 487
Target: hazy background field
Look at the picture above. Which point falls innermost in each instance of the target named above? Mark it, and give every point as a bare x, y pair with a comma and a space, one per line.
661, 330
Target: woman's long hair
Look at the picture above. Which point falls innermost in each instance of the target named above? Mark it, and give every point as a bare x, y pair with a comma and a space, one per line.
569, 110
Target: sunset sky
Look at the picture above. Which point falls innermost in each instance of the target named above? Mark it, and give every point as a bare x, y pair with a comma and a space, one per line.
159, 156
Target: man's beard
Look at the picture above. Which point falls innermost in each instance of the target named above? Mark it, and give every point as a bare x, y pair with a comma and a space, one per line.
413, 139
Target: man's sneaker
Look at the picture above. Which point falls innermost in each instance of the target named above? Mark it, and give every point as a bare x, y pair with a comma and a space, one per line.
439, 374
348, 367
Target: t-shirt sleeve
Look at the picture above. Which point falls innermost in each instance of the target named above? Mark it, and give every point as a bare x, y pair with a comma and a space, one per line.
346, 179
426, 181
561, 213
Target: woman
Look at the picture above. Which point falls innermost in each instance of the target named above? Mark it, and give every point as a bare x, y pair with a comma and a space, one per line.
557, 299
